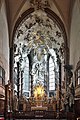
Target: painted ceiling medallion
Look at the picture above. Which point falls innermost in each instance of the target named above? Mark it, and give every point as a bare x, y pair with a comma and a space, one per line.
39, 4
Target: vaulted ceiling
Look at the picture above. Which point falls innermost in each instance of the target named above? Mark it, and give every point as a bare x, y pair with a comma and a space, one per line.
63, 8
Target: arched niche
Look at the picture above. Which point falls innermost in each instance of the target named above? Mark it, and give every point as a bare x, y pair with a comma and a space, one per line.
51, 25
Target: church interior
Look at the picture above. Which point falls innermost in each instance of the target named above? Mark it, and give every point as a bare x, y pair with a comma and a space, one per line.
40, 59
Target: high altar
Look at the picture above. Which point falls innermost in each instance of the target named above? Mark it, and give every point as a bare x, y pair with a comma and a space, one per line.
40, 99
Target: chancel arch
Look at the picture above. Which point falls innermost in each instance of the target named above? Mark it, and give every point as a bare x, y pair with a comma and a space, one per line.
40, 50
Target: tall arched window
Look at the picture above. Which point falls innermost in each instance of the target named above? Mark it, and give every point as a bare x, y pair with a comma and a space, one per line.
2, 76
51, 75
26, 85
